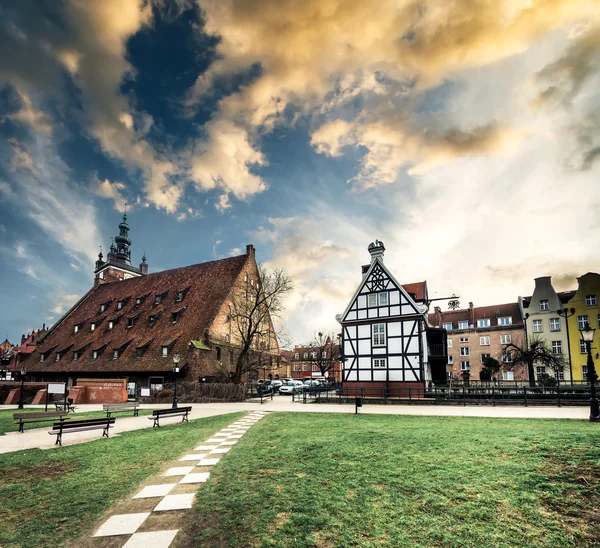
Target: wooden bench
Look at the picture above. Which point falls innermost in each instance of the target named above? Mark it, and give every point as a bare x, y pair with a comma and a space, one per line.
60, 428
121, 408
23, 418
60, 406
180, 411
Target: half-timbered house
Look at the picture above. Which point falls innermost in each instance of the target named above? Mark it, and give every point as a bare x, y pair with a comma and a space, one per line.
384, 332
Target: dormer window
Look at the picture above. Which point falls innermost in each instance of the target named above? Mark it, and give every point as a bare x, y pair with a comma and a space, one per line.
42, 357
58, 356
75, 355
175, 317
111, 324
179, 297
152, 319
130, 322
115, 354
305, 355
119, 305
158, 299
102, 307
138, 301
93, 326
165, 351
245, 277
95, 355
76, 329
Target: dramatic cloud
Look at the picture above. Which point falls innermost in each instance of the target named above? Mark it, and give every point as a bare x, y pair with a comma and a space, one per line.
109, 190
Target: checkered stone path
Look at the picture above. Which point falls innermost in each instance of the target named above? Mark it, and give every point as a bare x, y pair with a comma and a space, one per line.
137, 529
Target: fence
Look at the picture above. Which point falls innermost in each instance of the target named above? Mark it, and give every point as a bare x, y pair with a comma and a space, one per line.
456, 395
197, 392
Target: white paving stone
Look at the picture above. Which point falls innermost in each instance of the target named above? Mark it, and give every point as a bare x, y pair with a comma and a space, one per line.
214, 440
235, 436
151, 539
208, 462
178, 471
155, 491
229, 442
195, 478
206, 447
191, 456
121, 524
220, 451
175, 502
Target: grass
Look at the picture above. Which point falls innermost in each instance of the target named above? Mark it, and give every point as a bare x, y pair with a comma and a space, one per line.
307, 480
47, 496
7, 423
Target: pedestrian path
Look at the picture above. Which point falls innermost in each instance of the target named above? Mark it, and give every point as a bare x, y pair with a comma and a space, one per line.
156, 513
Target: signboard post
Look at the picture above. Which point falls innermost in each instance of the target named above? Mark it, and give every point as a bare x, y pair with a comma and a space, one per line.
56, 388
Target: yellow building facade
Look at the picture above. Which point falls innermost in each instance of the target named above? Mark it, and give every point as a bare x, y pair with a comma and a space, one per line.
587, 309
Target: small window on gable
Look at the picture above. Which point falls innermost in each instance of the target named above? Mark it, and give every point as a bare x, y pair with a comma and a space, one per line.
165, 351
227, 337
383, 298
245, 277
296, 356
218, 352
372, 299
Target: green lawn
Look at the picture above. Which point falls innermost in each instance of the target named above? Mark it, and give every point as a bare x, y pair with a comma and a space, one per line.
341, 480
7, 423
48, 496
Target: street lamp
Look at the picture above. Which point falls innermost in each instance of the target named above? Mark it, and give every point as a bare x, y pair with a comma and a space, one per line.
23, 373
176, 359
587, 334
566, 313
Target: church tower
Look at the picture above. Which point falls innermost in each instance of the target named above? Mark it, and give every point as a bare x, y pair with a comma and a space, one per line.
118, 265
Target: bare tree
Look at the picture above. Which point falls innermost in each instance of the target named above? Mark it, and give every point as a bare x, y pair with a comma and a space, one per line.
251, 310
532, 353
325, 353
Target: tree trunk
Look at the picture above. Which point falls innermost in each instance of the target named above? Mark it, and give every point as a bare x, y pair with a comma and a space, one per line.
531, 373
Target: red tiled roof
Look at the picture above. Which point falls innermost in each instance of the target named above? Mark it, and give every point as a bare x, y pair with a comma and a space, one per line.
417, 289
479, 313
206, 287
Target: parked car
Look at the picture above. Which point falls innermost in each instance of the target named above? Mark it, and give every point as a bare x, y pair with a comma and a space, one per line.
289, 387
276, 384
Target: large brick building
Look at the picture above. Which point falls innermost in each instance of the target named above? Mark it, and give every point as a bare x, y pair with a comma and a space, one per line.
475, 333
305, 360
131, 324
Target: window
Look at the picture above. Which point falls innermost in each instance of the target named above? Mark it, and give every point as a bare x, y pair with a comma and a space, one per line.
554, 324
102, 307
378, 334
464, 351
179, 297
598, 320
507, 357
165, 351
379, 362
584, 372
296, 367
372, 300
582, 347
314, 355
507, 320
296, 356
95, 355
485, 357
58, 356
175, 317
465, 366
450, 360
158, 299
218, 352
590, 300
559, 374
483, 323
463, 325
115, 354
505, 339
383, 299
447, 326
245, 277
508, 375
42, 357
484, 341
75, 355
324, 355
464, 340
119, 305
544, 305
306, 355
314, 367
304, 367
76, 329
556, 347
449, 343
111, 324
539, 371
581, 321
130, 322
93, 326
537, 326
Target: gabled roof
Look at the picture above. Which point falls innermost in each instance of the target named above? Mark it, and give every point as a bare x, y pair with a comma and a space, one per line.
564, 296
479, 313
207, 287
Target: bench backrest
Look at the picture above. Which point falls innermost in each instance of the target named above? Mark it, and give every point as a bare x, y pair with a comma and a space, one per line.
40, 414
107, 406
171, 411
84, 422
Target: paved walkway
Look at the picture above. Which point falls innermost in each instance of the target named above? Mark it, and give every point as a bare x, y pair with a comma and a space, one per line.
153, 517
39, 438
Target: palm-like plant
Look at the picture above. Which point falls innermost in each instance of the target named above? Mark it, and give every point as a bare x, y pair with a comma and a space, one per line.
530, 354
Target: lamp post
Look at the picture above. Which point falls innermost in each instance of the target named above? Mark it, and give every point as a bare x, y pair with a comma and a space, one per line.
23, 373
587, 334
176, 359
566, 313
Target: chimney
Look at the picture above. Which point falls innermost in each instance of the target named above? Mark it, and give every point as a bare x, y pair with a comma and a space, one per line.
471, 316
250, 250
206, 337
22, 338
376, 250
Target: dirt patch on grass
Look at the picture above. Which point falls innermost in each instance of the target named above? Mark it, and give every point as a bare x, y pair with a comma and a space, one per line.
26, 474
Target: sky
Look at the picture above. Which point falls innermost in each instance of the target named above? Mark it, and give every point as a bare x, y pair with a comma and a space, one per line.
465, 135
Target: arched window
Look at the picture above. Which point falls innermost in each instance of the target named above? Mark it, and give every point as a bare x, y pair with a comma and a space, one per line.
218, 349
